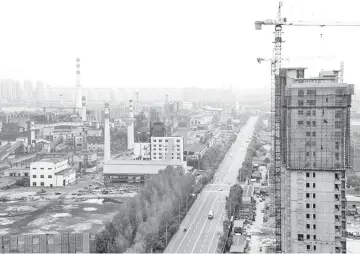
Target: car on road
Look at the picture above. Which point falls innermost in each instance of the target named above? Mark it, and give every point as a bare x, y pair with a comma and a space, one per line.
220, 189
231, 155
210, 215
262, 211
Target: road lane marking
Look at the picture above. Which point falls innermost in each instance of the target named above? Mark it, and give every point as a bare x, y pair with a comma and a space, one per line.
192, 222
214, 223
203, 226
214, 234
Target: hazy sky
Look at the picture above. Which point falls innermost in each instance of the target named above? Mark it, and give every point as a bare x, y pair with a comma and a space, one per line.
168, 43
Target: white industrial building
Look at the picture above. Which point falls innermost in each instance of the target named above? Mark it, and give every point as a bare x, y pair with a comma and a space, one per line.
167, 148
51, 172
142, 150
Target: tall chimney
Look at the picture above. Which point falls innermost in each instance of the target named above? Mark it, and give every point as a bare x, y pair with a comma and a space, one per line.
78, 86
131, 113
130, 128
83, 115
106, 134
137, 109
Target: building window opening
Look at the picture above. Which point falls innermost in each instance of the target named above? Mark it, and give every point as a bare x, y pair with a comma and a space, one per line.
300, 237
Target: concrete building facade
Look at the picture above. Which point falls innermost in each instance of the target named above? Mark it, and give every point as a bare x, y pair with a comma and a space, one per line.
167, 148
51, 172
316, 147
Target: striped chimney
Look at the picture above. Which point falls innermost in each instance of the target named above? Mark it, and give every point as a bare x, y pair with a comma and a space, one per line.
131, 113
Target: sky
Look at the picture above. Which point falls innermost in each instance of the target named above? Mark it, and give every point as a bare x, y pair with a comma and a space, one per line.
170, 43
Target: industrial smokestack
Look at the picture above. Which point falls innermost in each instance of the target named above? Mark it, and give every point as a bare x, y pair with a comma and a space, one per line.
106, 134
78, 86
83, 115
130, 128
137, 102
131, 113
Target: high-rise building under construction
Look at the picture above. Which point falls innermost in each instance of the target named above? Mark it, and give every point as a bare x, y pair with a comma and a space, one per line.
315, 149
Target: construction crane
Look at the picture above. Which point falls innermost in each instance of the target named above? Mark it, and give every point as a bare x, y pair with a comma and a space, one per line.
277, 103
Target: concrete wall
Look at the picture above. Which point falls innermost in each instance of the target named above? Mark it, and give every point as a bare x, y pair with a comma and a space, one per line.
324, 211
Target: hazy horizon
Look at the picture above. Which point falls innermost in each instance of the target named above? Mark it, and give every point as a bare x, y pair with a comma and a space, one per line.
169, 44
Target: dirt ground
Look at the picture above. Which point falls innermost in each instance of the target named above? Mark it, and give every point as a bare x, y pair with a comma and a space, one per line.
79, 207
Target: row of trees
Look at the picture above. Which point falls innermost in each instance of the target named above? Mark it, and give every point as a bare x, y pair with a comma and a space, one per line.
247, 166
211, 161
353, 181
147, 222
232, 207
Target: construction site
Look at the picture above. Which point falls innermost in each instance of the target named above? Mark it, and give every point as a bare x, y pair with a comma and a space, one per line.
311, 151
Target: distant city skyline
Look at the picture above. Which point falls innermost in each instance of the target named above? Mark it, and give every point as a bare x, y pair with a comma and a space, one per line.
168, 44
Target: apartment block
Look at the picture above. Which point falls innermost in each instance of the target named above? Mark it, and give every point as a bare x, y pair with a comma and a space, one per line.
316, 154
167, 148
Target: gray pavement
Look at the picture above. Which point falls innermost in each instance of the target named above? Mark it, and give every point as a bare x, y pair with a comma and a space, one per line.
202, 234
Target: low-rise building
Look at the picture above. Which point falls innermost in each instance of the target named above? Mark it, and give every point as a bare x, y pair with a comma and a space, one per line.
51, 172
18, 172
245, 210
95, 144
119, 171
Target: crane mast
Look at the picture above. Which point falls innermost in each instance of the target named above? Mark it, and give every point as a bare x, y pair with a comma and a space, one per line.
277, 103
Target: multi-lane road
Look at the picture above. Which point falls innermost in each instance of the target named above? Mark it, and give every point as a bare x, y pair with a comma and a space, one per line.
202, 234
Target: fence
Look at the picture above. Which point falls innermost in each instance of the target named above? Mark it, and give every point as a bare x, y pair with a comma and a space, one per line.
48, 243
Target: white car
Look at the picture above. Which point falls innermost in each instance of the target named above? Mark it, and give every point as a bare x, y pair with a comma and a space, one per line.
231, 155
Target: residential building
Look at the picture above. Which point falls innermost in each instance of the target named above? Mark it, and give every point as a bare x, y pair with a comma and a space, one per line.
315, 140
51, 172
167, 148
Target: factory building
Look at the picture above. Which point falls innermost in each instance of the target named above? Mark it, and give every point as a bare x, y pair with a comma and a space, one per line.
316, 138
135, 171
51, 172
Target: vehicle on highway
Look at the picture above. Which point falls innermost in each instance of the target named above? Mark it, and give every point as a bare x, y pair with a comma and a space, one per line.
210, 215
220, 189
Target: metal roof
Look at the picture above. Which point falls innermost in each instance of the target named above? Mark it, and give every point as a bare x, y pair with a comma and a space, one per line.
52, 160
141, 169
196, 148
64, 171
248, 191
145, 162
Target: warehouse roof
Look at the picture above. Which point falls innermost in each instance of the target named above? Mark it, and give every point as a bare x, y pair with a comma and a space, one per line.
133, 169
65, 171
248, 191
52, 160
196, 148
239, 244
144, 162
137, 166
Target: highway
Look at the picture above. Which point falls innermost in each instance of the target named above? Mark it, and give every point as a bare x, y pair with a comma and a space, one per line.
202, 234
